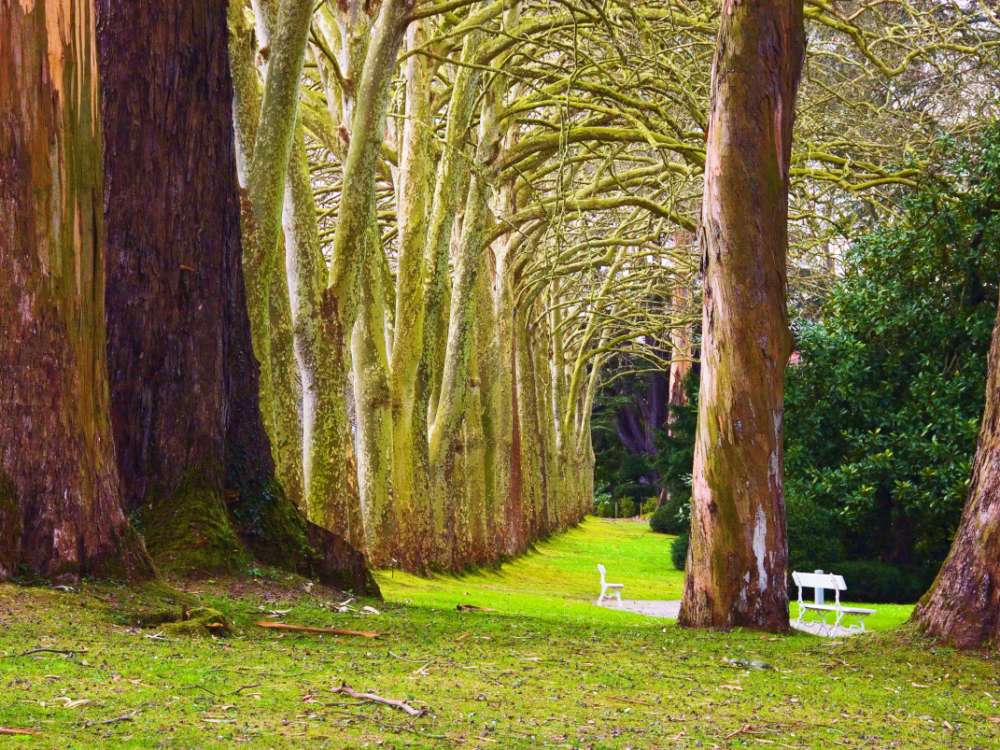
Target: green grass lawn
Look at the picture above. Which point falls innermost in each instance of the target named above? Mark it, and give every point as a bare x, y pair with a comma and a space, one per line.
559, 580
547, 669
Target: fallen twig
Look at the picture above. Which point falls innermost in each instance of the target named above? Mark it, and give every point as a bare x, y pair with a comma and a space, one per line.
15, 730
372, 698
310, 629
473, 608
124, 717
240, 689
64, 651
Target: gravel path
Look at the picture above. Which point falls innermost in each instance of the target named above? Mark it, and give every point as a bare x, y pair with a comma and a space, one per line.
651, 607
671, 608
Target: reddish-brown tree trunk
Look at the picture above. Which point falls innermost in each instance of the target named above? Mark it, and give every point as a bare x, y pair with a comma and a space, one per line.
195, 460
962, 608
737, 558
681, 361
60, 511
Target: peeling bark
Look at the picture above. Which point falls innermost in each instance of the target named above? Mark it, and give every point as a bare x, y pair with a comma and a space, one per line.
962, 607
737, 559
60, 503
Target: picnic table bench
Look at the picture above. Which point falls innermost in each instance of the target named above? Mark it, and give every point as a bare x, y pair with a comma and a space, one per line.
820, 581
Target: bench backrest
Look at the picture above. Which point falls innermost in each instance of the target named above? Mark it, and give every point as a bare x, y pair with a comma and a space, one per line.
600, 569
830, 581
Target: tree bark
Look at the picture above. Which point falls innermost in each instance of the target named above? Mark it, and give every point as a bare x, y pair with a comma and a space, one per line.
60, 509
737, 559
194, 456
962, 607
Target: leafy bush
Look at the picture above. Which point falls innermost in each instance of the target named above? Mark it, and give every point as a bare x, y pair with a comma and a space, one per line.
814, 535
882, 413
649, 505
668, 520
675, 452
873, 581
606, 506
679, 551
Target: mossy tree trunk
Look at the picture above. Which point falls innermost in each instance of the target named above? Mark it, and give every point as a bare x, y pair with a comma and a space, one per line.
737, 560
194, 455
962, 607
333, 482
60, 502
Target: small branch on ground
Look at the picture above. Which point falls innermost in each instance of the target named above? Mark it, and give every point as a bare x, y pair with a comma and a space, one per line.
240, 689
63, 651
15, 730
473, 608
372, 698
130, 716
319, 631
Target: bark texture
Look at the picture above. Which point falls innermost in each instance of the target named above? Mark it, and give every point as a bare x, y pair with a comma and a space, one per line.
194, 456
737, 559
60, 511
962, 608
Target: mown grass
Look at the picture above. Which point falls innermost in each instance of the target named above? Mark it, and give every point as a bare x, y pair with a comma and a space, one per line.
559, 579
547, 669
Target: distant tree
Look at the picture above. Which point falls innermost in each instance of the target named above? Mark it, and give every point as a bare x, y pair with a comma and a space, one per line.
674, 460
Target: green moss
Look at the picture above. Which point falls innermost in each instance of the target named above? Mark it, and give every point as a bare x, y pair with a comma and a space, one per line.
199, 621
273, 528
189, 531
157, 604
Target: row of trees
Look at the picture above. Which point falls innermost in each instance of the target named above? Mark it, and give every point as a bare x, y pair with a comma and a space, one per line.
430, 225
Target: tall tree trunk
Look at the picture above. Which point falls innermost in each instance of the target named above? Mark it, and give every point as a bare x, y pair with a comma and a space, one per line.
737, 559
60, 509
194, 456
963, 606
681, 361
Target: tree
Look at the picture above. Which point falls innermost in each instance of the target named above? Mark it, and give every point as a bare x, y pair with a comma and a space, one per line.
195, 460
737, 559
962, 607
60, 510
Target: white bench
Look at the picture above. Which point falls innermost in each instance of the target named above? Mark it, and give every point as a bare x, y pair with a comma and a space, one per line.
614, 588
819, 581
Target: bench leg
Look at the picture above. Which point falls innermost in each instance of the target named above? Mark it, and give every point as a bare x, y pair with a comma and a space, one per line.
618, 595
600, 599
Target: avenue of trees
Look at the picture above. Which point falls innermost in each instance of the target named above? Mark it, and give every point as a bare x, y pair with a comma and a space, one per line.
336, 284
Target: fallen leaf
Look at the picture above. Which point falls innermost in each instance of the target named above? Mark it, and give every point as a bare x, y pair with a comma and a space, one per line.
71, 703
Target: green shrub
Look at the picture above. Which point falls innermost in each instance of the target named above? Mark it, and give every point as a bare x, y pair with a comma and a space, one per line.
679, 551
814, 535
883, 408
874, 581
649, 505
667, 520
